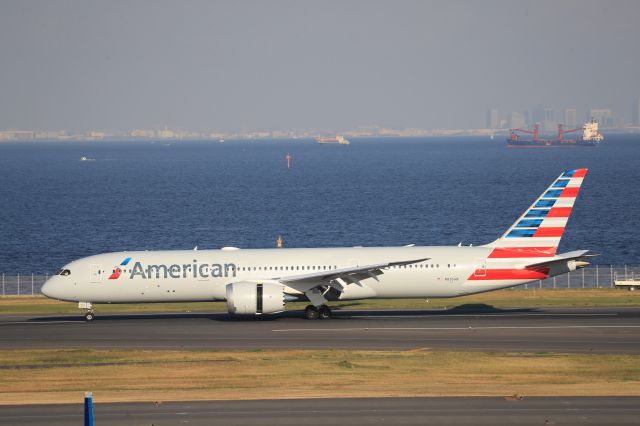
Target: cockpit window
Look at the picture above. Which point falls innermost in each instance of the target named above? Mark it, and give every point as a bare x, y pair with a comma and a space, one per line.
64, 272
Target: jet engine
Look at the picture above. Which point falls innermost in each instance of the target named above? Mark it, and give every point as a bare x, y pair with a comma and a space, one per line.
255, 298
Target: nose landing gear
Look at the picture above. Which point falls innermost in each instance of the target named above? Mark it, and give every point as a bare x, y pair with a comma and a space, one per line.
89, 315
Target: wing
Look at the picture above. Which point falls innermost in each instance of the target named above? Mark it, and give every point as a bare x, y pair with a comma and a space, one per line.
335, 277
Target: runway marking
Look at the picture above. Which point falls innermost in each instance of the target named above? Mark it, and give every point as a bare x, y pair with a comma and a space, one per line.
505, 327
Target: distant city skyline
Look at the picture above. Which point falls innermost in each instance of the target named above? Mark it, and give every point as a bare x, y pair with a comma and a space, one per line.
495, 121
549, 118
250, 66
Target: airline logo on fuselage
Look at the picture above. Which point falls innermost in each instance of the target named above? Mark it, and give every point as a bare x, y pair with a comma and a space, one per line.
118, 270
176, 270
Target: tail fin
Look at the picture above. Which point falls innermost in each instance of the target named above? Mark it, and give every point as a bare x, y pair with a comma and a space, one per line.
538, 231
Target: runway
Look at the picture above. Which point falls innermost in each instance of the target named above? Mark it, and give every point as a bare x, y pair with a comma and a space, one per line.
609, 330
357, 411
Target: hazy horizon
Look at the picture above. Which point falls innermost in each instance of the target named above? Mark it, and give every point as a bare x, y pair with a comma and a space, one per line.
258, 65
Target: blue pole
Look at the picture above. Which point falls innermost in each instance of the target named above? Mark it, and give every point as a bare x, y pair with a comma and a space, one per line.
88, 409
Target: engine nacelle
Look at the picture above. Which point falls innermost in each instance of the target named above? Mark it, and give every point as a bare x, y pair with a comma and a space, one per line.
255, 298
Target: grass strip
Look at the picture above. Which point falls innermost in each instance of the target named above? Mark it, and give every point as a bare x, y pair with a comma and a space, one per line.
63, 375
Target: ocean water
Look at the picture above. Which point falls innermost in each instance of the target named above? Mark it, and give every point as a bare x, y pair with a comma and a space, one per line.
181, 194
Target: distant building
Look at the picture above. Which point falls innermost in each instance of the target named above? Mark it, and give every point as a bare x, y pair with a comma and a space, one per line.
217, 135
142, 133
549, 114
570, 118
635, 111
11, 135
166, 133
604, 117
546, 117
491, 120
549, 123
96, 135
52, 134
516, 120
537, 115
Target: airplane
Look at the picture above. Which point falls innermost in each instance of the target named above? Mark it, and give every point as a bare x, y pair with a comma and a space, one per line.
262, 281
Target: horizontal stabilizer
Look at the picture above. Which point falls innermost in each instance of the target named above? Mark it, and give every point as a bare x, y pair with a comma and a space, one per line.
572, 255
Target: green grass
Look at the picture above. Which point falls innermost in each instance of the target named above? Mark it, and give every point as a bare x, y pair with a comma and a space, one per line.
531, 298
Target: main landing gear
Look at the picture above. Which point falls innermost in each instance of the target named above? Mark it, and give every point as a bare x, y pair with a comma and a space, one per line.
321, 312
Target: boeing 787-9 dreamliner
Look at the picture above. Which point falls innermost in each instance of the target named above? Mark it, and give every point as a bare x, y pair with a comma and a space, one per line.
262, 281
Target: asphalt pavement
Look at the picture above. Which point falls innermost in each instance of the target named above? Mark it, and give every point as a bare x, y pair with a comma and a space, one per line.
476, 411
474, 328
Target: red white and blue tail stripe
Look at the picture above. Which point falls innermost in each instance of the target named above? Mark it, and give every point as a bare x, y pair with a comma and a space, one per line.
538, 231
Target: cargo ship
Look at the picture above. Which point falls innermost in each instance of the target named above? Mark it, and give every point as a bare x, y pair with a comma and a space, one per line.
340, 140
591, 136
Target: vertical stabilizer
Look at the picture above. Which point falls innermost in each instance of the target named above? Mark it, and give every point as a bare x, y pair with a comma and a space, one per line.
538, 231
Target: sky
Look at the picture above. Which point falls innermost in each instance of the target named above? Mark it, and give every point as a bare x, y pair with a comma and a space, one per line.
326, 65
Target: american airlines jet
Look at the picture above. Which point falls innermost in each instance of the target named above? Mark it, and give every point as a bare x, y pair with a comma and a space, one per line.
262, 281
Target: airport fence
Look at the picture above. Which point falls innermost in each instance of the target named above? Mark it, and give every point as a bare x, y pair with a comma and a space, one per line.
598, 276
23, 284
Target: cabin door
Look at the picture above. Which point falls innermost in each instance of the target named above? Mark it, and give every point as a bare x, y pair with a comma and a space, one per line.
96, 273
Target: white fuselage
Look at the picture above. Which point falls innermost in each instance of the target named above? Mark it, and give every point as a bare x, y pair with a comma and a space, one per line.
202, 275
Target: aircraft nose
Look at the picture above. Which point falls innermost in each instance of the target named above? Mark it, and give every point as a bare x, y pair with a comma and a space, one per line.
49, 288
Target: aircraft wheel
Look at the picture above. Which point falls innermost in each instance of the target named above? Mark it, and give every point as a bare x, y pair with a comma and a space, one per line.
311, 312
324, 312
89, 316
